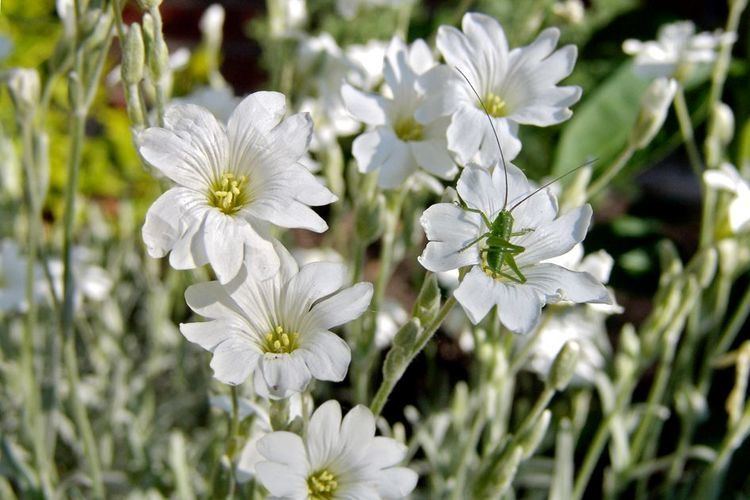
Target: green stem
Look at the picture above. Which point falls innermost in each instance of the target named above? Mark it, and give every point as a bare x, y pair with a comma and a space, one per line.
387, 385
232, 440
161, 94
686, 128
617, 165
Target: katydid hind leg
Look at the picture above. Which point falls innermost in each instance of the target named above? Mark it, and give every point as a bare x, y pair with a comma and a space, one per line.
511, 261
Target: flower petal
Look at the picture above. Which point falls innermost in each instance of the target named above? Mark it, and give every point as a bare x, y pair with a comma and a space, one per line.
234, 360
366, 107
284, 372
323, 433
343, 306
475, 294
224, 245
558, 283
396, 482
191, 150
327, 355
284, 448
555, 238
278, 480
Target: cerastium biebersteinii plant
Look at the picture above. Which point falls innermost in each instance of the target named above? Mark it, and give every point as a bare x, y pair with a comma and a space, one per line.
316, 237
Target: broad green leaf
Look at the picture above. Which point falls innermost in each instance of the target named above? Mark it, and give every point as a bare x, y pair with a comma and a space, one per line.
601, 124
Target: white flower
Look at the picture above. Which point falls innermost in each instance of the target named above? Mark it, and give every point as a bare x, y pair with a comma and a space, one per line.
727, 178
583, 323
287, 17
399, 143
219, 101
91, 281
13, 279
675, 51
337, 459
350, 8
517, 86
571, 11
278, 328
231, 183
369, 57
451, 230
325, 67
212, 24
655, 104
391, 315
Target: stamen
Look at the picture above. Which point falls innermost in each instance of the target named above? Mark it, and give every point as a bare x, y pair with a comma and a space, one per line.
321, 485
408, 129
279, 341
228, 193
495, 105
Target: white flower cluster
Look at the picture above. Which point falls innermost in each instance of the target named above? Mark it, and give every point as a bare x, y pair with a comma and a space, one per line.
237, 182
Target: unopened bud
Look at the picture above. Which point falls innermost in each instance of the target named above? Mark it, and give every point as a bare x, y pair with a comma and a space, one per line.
428, 301
407, 334
369, 219
133, 56
732, 256
564, 366
574, 194
507, 472
533, 438
722, 120
212, 24
703, 266
630, 344
570, 11
654, 106
24, 87
158, 61
395, 363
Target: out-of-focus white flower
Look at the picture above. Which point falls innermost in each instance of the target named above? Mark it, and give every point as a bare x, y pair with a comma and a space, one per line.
370, 58
571, 11
517, 86
91, 281
231, 183
212, 24
277, 329
306, 256
327, 68
399, 143
456, 240
723, 121
66, 12
654, 107
584, 324
24, 87
286, 17
676, 50
388, 320
727, 178
13, 279
337, 459
219, 101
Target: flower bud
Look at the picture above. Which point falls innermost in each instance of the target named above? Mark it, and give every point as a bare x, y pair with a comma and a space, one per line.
630, 344
212, 24
428, 301
407, 334
704, 266
24, 87
564, 366
654, 106
133, 56
722, 121
531, 440
570, 11
369, 219
158, 61
575, 193
507, 472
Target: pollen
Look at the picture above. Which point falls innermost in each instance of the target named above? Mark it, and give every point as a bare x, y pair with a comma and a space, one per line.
321, 485
495, 105
279, 341
229, 193
408, 129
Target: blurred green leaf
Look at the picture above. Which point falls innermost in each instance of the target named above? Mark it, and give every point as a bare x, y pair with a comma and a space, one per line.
601, 124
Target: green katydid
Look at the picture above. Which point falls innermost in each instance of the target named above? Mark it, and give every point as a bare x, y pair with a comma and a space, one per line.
498, 251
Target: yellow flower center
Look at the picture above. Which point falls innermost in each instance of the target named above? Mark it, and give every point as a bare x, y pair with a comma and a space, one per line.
495, 105
321, 485
408, 129
229, 193
279, 341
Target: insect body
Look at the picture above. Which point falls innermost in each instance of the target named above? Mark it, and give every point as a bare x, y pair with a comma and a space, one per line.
499, 251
